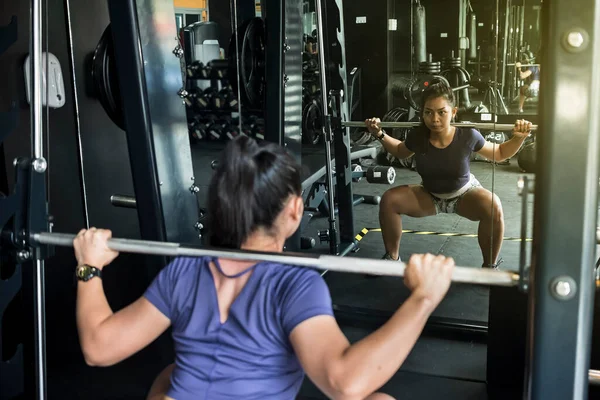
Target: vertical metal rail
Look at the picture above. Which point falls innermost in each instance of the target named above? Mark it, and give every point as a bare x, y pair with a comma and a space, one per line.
563, 287
86, 214
333, 242
39, 166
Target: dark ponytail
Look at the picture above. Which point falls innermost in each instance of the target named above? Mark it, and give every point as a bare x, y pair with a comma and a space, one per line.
438, 87
248, 190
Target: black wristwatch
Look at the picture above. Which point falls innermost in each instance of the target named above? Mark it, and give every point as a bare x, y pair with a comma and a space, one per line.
86, 272
380, 137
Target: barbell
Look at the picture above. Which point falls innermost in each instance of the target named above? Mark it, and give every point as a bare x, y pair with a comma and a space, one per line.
523, 65
369, 266
477, 125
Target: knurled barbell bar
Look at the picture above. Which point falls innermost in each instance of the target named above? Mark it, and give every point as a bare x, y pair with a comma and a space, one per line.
476, 276
523, 65
478, 125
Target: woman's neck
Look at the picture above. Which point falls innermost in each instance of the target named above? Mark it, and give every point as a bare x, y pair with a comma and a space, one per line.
260, 241
441, 135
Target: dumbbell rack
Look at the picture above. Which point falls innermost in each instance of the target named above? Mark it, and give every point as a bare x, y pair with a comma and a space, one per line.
213, 113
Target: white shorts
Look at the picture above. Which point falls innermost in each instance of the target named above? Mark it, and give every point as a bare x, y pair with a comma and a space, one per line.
447, 203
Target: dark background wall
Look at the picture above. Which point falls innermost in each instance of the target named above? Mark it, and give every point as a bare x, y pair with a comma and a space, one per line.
367, 48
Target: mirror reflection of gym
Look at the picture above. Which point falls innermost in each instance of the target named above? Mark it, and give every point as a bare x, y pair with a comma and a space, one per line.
440, 47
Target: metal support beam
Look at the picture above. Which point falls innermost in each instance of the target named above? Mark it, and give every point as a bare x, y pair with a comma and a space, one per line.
562, 298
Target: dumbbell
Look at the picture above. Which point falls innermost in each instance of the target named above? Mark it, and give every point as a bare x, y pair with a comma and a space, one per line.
196, 70
218, 100
307, 242
225, 99
218, 129
189, 97
197, 130
379, 174
199, 126
202, 100
258, 128
218, 68
231, 131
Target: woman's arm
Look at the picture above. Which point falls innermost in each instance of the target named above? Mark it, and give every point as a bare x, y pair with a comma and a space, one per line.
393, 146
106, 337
523, 74
509, 148
344, 371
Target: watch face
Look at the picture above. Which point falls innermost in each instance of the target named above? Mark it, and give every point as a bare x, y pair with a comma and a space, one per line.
84, 272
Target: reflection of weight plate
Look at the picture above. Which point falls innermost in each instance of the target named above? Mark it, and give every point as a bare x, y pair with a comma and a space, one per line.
312, 123
414, 90
495, 137
527, 157
105, 80
251, 56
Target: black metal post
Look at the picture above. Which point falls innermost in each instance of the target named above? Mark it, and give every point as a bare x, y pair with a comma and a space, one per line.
283, 103
274, 69
343, 175
562, 297
158, 140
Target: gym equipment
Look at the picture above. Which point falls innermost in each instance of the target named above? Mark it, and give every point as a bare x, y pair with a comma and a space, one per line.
105, 80
312, 122
414, 89
53, 81
419, 33
477, 125
472, 32
475, 276
378, 174
119, 200
251, 44
217, 69
527, 157
386, 175
429, 66
197, 70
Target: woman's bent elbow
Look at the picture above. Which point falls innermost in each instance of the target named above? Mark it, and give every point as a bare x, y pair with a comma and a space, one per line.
95, 356
347, 388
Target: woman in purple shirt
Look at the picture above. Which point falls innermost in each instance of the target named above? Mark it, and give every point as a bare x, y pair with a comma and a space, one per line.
247, 330
443, 154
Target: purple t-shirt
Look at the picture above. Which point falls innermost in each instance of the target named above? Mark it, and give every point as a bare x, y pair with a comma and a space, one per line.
449, 169
250, 355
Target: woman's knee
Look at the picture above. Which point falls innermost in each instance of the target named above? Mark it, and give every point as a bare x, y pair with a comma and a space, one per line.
391, 201
495, 212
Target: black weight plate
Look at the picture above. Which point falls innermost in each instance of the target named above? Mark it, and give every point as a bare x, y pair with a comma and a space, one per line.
251, 58
312, 123
253, 62
105, 79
